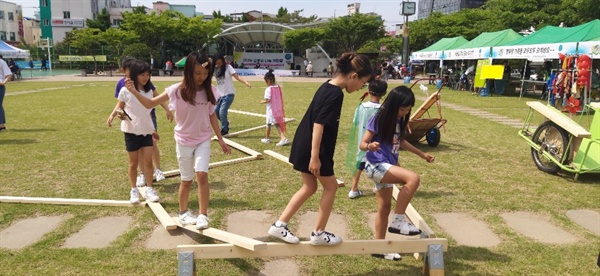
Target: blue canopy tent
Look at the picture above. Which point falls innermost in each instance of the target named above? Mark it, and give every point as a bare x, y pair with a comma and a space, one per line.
8, 51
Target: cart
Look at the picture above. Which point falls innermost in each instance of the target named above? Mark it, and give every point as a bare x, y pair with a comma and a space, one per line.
561, 143
428, 128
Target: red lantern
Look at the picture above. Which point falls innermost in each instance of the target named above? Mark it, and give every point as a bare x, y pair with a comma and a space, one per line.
583, 72
561, 56
583, 65
585, 57
583, 80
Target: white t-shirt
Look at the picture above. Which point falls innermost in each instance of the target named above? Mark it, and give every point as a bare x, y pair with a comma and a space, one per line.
225, 83
4, 70
141, 122
269, 113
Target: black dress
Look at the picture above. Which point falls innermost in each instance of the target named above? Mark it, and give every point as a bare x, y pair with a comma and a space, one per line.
325, 109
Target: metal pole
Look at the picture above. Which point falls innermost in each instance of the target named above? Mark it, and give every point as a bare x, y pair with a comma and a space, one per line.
405, 41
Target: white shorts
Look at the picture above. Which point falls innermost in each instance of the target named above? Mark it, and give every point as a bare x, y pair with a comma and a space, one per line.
193, 159
375, 172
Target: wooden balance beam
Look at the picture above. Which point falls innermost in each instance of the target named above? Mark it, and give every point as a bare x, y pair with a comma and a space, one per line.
69, 201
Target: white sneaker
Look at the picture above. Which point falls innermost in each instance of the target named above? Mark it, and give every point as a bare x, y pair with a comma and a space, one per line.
134, 196
283, 233
355, 194
140, 181
265, 140
158, 175
283, 142
151, 195
403, 227
325, 238
187, 218
202, 222
388, 256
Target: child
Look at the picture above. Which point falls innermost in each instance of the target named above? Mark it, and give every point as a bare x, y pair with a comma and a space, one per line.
275, 115
356, 157
382, 141
314, 144
137, 127
158, 174
193, 101
224, 73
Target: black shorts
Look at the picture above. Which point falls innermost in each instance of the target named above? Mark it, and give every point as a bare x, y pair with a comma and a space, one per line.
135, 142
361, 166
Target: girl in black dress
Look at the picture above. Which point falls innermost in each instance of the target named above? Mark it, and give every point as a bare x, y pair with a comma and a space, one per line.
314, 145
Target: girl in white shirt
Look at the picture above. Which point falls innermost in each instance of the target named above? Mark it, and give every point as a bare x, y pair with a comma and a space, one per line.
224, 73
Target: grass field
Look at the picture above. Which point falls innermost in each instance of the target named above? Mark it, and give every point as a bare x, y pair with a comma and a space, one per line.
58, 145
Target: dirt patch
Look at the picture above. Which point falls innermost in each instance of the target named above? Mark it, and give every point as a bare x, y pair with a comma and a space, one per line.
588, 219
28, 231
99, 233
466, 230
538, 228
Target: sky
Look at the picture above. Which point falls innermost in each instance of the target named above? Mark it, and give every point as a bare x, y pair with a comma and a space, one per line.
388, 9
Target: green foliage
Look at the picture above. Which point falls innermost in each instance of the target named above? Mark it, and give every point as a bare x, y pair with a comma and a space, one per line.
350, 33
393, 47
138, 50
102, 22
282, 12
303, 38
139, 10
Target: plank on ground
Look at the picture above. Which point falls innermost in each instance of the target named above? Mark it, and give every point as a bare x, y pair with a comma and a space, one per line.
159, 212
69, 201
176, 172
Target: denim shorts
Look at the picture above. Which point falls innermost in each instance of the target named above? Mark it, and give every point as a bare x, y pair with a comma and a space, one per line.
375, 172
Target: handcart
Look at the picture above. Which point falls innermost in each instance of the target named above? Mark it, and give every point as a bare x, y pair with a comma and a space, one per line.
428, 128
561, 143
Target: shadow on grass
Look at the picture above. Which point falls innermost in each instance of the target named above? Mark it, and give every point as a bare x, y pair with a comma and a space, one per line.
433, 194
18, 141
407, 270
219, 202
32, 130
423, 146
458, 258
586, 178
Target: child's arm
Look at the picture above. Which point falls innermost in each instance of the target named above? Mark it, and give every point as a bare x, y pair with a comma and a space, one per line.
366, 144
214, 123
120, 105
263, 101
240, 79
148, 103
409, 147
165, 106
315, 163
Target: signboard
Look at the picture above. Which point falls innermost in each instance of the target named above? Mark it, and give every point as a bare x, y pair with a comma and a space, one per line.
473, 53
479, 82
534, 52
590, 48
262, 72
434, 55
81, 58
68, 22
264, 60
492, 72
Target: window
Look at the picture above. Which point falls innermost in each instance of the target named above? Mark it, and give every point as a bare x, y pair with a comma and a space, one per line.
66, 14
12, 36
46, 22
44, 3
117, 22
3, 35
11, 16
1, 14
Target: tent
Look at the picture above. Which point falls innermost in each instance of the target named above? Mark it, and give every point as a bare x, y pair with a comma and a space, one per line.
9, 51
481, 46
180, 63
435, 51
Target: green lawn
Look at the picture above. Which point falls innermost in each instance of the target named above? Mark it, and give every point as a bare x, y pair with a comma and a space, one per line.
58, 145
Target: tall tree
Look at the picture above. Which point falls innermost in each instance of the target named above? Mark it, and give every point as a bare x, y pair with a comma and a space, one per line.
302, 39
102, 22
282, 12
349, 33
85, 41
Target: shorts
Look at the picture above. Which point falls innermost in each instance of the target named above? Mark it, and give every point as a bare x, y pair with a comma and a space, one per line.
135, 142
375, 172
153, 116
361, 166
193, 159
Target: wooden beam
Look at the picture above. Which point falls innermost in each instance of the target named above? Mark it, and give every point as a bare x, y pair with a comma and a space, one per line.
215, 164
280, 249
224, 236
285, 159
242, 148
560, 119
68, 201
159, 212
414, 216
233, 134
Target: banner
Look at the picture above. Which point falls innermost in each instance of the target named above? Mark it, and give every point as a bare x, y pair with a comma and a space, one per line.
590, 48
479, 82
262, 72
427, 55
534, 52
473, 53
264, 60
81, 58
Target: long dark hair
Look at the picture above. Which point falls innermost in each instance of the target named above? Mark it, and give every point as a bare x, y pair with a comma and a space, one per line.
387, 116
188, 85
221, 72
350, 63
137, 67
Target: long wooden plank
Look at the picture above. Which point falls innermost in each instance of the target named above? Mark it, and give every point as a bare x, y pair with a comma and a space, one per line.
280, 249
285, 159
159, 212
69, 201
560, 119
233, 134
432, 99
243, 148
172, 173
234, 239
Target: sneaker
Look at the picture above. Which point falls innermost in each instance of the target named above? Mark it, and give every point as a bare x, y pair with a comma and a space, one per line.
388, 256
325, 238
283, 233
187, 218
265, 140
283, 142
134, 196
403, 227
140, 181
151, 195
2, 128
202, 222
355, 194
158, 175
224, 131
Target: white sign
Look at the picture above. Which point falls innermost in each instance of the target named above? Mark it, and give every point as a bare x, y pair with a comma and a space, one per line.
537, 51
262, 72
266, 60
590, 48
434, 55
472, 53
68, 22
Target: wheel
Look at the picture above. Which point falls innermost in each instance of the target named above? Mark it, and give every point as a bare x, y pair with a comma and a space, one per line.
553, 140
433, 137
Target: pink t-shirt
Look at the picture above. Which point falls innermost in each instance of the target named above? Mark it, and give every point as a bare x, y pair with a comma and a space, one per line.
193, 121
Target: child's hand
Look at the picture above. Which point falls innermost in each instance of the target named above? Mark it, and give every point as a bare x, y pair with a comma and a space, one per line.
373, 146
109, 120
314, 166
155, 136
129, 85
428, 157
170, 116
226, 149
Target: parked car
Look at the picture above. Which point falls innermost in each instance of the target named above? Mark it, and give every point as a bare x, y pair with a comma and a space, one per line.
515, 74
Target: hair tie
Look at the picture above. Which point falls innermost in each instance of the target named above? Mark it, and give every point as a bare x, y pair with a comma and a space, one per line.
204, 64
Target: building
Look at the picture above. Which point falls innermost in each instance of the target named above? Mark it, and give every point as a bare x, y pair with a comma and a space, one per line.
187, 10
11, 23
353, 8
31, 31
426, 7
58, 17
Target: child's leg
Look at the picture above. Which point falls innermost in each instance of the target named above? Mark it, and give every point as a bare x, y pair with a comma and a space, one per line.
140, 161
384, 206
309, 187
146, 164
355, 180
330, 185
281, 133
156, 155
203, 192
411, 180
268, 131
184, 194
133, 164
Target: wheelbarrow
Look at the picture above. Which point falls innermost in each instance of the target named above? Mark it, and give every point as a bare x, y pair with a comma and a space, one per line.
426, 128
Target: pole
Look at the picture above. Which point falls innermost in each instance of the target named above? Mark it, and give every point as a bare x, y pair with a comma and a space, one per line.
405, 41
49, 57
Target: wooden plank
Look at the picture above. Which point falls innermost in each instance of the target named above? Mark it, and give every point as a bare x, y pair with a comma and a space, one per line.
233, 239
242, 148
285, 159
216, 164
69, 201
233, 134
280, 249
432, 99
414, 216
560, 119
159, 212
595, 105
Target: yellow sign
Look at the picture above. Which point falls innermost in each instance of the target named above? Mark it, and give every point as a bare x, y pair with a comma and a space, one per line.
479, 82
492, 72
81, 58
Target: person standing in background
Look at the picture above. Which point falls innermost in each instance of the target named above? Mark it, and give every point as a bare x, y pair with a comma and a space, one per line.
5, 75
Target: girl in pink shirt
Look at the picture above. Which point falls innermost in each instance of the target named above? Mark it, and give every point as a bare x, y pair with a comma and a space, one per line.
193, 101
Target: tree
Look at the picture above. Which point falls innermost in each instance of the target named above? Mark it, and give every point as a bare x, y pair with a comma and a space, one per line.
102, 22
85, 41
302, 39
139, 10
349, 33
282, 12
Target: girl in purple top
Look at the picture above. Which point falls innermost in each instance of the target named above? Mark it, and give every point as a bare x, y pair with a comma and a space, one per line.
193, 101
382, 140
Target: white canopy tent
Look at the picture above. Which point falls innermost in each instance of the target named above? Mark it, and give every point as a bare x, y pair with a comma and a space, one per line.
9, 51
